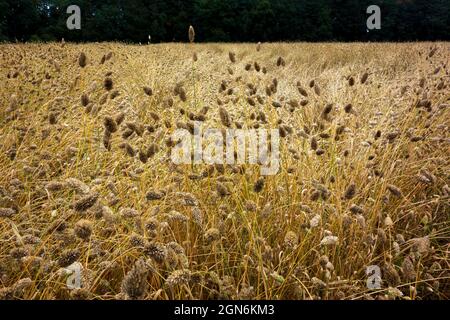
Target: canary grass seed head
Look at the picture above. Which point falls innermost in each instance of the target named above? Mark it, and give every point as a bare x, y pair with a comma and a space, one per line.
134, 284
83, 229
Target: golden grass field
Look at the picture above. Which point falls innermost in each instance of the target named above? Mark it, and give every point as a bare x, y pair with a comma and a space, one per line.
86, 174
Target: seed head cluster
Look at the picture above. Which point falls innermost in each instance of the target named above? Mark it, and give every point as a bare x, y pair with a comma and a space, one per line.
89, 181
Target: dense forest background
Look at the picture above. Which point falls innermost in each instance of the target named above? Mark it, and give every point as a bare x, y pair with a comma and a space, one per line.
225, 20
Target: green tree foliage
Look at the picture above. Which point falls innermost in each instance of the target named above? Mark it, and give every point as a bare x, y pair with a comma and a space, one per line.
219, 20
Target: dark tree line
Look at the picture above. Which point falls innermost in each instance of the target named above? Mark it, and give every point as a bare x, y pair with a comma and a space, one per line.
224, 20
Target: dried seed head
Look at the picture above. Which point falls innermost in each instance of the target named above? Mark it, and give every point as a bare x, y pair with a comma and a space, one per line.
320, 152
364, 77
377, 134
13, 103
107, 140
259, 185
314, 144
197, 216
315, 195
110, 124
326, 111
82, 60
388, 222
107, 56
212, 235
85, 202
7, 212
114, 94
432, 52
394, 190
421, 245
148, 91
281, 62
355, 209
157, 251
79, 186
174, 216
348, 108
152, 223
191, 34
408, 270
391, 274
83, 229
428, 175
108, 84
224, 117
276, 104
350, 191
302, 91
143, 156
232, 56
422, 82
416, 138
155, 195
129, 149
52, 118
58, 225
55, 186
329, 240
84, 99
361, 221
250, 206
178, 277
134, 284
168, 102
119, 118
351, 81
222, 189
391, 136
128, 212
68, 256
89, 108
291, 239
182, 94
152, 150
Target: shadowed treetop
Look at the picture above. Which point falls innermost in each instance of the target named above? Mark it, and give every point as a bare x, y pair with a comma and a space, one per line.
229, 21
